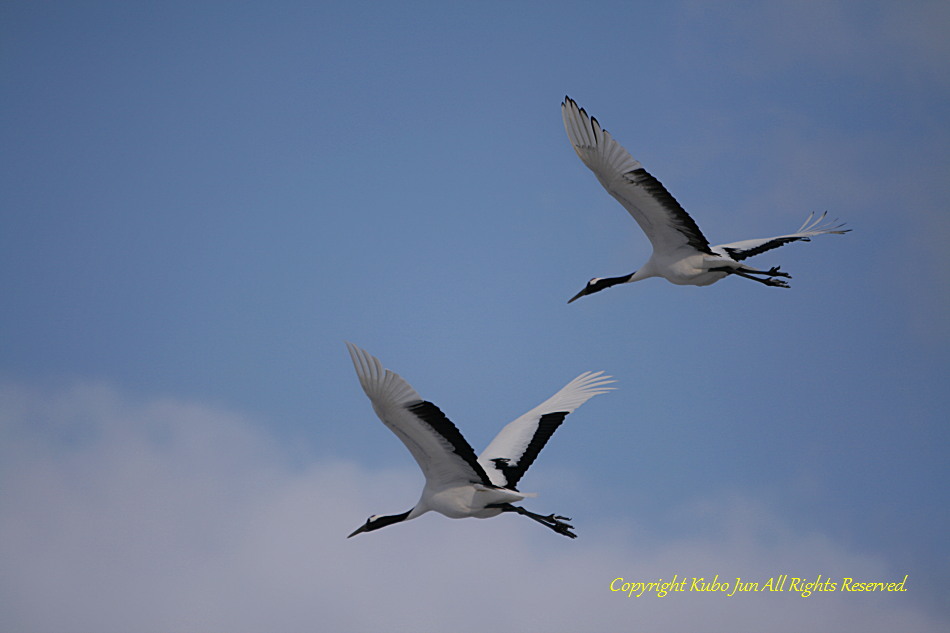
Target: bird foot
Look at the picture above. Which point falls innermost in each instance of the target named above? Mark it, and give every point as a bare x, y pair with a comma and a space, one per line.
775, 272
778, 283
559, 524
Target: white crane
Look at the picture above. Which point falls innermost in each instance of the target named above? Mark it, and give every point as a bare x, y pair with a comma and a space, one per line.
681, 254
459, 484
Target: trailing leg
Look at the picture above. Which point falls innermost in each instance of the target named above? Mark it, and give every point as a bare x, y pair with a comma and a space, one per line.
748, 274
768, 281
556, 522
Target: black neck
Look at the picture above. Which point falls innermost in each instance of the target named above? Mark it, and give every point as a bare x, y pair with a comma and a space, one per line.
381, 522
612, 281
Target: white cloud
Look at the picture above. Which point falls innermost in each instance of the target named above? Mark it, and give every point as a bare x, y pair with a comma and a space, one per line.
118, 515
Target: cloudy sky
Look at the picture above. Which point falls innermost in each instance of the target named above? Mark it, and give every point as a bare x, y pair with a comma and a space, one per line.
201, 202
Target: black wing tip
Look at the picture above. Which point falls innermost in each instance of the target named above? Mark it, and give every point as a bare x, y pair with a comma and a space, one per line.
570, 102
594, 123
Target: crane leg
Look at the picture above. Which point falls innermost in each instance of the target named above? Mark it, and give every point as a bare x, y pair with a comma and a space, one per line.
770, 279
554, 521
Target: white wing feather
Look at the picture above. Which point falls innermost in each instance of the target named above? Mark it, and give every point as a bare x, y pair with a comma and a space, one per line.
749, 248
514, 439
659, 215
443, 462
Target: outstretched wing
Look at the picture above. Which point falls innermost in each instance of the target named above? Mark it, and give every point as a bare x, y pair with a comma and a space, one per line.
748, 248
517, 445
661, 217
444, 456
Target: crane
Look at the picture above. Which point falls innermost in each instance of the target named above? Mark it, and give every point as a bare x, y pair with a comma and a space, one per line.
681, 253
459, 484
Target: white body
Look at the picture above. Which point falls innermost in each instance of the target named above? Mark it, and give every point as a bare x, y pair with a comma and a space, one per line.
460, 502
683, 267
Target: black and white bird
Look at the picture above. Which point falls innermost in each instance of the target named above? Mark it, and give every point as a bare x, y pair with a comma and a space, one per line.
459, 484
681, 254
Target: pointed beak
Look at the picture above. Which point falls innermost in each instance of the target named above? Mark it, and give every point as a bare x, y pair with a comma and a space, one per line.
578, 295
361, 528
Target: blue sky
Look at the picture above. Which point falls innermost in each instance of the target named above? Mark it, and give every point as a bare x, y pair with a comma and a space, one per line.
201, 201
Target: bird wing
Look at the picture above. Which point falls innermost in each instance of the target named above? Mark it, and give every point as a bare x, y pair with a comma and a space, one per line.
444, 456
661, 217
747, 248
517, 445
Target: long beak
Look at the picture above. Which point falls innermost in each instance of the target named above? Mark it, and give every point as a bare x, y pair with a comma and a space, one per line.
578, 295
361, 528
